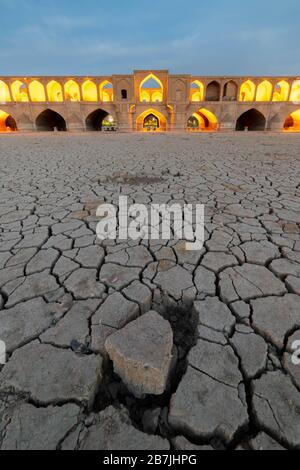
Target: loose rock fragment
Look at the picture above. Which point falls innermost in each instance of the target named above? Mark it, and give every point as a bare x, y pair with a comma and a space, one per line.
142, 354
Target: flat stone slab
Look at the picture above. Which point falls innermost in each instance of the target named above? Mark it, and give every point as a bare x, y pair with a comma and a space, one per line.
215, 315
118, 277
114, 431
51, 376
276, 404
37, 429
274, 317
84, 285
175, 281
25, 322
204, 407
249, 282
142, 354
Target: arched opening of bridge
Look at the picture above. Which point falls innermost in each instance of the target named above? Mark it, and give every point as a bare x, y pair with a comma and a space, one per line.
196, 91
72, 91
193, 124
49, 121
7, 122
151, 121
89, 91
19, 92
207, 120
264, 91
4, 93
54, 92
230, 91
37, 91
292, 123
247, 91
281, 91
106, 92
251, 120
95, 120
295, 92
151, 90
213, 91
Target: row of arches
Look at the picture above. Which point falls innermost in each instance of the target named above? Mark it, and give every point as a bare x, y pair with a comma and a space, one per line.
248, 91
50, 120
55, 92
151, 120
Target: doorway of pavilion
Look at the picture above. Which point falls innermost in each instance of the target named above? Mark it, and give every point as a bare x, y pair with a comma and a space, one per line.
7, 122
151, 121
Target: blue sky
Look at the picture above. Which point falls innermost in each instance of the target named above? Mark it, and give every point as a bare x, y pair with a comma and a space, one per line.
96, 37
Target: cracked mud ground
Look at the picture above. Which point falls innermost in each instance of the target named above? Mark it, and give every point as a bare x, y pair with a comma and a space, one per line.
234, 307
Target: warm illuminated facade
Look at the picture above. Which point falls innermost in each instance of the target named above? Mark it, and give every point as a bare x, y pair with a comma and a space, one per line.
150, 101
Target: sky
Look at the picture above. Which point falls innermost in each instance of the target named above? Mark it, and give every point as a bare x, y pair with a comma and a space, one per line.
199, 37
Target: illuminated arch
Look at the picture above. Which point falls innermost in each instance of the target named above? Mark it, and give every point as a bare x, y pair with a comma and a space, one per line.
253, 120
207, 120
295, 92
89, 91
196, 91
247, 91
193, 123
264, 91
7, 122
4, 93
292, 123
49, 120
54, 92
157, 97
213, 91
151, 89
281, 91
19, 92
37, 91
106, 92
160, 124
72, 91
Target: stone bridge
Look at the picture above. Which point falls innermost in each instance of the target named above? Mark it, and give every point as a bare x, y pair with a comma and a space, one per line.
150, 101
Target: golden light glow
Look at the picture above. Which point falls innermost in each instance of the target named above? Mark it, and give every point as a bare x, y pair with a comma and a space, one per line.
281, 92
54, 92
106, 92
207, 120
264, 91
19, 92
145, 96
89, 91
37, 92
151, 89
4, 93
7, 123
247, 91
292, 123
295, 93
162, 122
197, 91
72, 91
